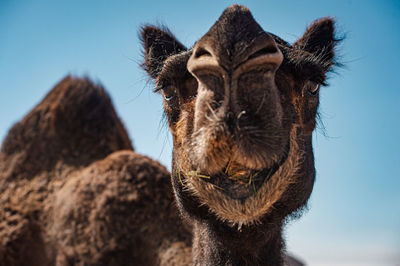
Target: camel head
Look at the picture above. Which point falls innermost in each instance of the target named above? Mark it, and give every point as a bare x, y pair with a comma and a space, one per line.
241, 106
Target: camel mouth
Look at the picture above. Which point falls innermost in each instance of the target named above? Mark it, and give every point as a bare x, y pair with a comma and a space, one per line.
239, 182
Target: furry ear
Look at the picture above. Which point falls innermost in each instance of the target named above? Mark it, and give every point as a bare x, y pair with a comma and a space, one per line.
158, 45
319, 39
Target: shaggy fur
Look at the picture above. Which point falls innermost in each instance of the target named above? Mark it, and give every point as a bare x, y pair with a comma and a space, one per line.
251, 210
73, 191
241, 106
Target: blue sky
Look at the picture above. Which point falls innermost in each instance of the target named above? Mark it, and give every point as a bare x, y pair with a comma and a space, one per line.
354, 216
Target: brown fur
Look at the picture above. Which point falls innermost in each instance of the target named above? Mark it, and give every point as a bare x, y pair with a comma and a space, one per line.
241, 100
73, 191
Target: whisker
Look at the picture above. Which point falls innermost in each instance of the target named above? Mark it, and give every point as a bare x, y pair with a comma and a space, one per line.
212, 111
261, 104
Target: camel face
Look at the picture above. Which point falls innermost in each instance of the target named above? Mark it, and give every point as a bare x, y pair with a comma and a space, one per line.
238, 115
241, 105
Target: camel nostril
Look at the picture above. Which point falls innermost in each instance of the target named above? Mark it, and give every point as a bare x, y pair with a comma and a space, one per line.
201, 52
203, 60
264, 51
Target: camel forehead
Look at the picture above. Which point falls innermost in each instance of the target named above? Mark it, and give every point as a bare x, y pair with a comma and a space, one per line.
235, 24
234, 30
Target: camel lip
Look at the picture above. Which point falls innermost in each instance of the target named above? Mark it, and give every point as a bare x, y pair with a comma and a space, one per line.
241, 184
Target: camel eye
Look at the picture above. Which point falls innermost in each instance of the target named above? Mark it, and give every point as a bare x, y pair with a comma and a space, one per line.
169, 92
313, 88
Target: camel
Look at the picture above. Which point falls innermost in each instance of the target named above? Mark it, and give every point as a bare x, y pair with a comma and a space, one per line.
241, 107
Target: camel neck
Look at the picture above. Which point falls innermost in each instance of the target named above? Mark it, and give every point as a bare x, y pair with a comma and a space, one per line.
221, 245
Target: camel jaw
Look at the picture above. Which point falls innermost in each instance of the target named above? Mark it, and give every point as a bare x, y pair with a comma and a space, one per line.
245, 204
239, 182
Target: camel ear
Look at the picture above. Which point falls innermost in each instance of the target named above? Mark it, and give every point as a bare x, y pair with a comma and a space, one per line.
158, 45
319, 39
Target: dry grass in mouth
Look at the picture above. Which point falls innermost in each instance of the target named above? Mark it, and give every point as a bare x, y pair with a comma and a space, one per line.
231, 171
236, 172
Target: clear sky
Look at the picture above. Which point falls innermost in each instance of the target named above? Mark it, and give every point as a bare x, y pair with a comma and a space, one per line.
354, 216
